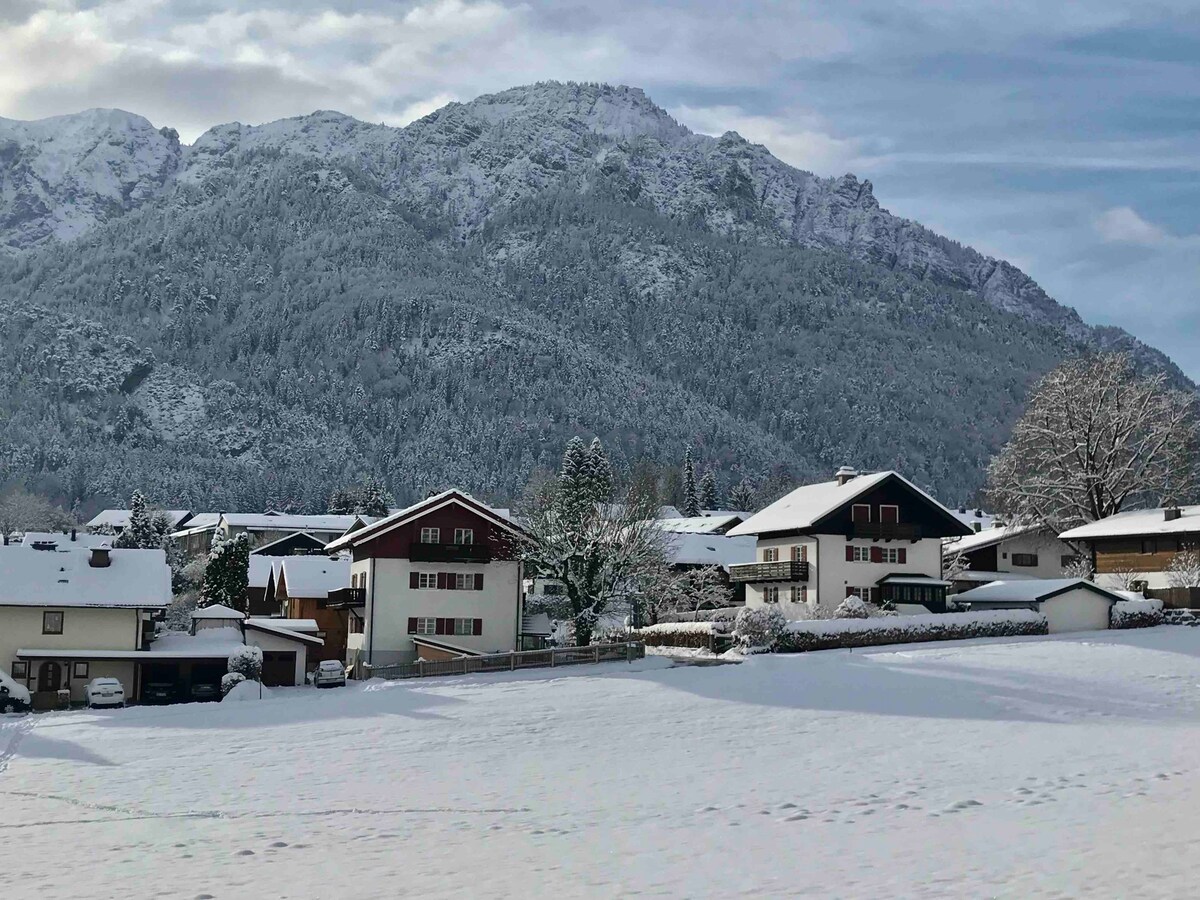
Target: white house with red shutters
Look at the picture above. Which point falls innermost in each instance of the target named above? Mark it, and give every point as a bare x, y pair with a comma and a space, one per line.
438, 580
877, 536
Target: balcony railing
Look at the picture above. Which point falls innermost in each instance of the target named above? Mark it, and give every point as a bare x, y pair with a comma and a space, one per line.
887, 531
344, 598
788, 570
467, 553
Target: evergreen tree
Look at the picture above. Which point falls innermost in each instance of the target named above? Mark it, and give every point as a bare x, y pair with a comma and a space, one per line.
600, 473
227, 575
141, 533
341, 503
741, 497
373, 499
691, 502
708, 491
575, 465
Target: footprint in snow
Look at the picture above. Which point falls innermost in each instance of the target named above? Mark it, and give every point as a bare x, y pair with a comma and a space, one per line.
279, 844
787, 805
961, 805
244, 853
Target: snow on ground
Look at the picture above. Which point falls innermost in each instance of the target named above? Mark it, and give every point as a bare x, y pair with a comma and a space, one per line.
1036, 767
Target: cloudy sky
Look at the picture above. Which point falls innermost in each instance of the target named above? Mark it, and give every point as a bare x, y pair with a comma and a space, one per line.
1063, 137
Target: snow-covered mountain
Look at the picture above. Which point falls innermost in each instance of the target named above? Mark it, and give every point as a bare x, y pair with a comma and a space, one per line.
62, 176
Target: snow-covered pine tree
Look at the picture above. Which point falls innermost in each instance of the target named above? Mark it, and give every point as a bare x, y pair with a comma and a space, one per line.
708, 491
141, 532
373, 499
600, 472
574, 471
690, 505
741, 496
340, 503
227, 575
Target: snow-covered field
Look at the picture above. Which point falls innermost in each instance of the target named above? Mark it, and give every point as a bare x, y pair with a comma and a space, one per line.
1038, 767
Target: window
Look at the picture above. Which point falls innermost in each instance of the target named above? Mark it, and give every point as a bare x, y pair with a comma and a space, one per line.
860, 512
770, 595
867, 594
464, 581
464, 535
1024, 559
804, 593
1149, 545
860, 554
424, 625
770, 554
431, 535
79, 670
890, 555
889, 514
466, 626
52, 623
426, 581
554, 590
800, 553
19, 670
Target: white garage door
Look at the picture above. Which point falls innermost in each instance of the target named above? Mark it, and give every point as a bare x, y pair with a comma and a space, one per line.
1077, 610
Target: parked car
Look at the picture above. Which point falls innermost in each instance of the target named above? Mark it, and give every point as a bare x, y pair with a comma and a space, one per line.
329, 673
14, 697
203, 691
158, 692
104, 692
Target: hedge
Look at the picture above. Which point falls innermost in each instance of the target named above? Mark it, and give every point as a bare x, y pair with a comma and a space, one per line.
833, 634
676, 634
1136, 614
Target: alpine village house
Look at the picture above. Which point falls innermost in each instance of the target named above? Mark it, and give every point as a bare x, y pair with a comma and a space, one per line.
876, 536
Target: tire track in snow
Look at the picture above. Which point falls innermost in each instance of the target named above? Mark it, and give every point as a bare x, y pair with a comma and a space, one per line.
15, 730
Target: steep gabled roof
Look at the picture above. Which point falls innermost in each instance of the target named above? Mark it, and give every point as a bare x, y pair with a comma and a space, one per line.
296, 537
313, 576
806, 506
428, 505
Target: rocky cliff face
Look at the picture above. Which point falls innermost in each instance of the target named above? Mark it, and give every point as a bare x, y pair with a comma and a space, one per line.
61, 177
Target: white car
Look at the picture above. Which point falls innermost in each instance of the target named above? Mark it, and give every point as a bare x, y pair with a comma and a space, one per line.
329, 673
14, 697
104, 692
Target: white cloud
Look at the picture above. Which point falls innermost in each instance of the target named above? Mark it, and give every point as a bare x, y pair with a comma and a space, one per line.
1123, 225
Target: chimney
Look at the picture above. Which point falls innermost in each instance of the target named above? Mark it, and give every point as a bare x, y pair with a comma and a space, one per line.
1171, 513
100, 558
72, 535
845, 474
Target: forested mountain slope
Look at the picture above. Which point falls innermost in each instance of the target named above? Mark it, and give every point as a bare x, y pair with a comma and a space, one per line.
277, 310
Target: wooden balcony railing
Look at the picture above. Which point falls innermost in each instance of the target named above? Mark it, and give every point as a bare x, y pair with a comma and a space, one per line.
887, 531
787, 570
468, 553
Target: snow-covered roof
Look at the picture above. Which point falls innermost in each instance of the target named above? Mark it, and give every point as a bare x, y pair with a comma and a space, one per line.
984, 576
986, 538
119, 518
314, 576
260, 570
82, 541
973, 517
924, 580
1031, 590
63, 578
806, 505
1138, 522
203, 520
217, 611
272, 522
429, 504
710, 550
292, 634
290, 624
699, 524
287, 540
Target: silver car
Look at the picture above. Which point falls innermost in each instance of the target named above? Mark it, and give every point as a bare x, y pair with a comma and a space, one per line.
329, 673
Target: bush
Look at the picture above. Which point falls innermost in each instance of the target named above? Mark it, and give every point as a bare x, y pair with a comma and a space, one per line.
230, 680
833, 634
676, 634
247, 661
852, 607
758, 628
1136, 614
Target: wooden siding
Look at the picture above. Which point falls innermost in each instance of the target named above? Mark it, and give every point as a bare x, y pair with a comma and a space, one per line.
395, 544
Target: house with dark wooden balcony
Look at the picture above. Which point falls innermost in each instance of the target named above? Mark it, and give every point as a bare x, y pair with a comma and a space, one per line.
303, 585
437, 580
877, 536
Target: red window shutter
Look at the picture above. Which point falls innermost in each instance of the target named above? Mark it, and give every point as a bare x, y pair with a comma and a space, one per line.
876, 554
903, 555
477, 629
478, 585
849, 553
441, 582
414, 580
412, 624
850, 592
441, 626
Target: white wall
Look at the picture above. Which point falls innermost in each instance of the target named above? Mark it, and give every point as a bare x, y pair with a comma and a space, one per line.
1077, 610
276, 644
390, 603
1049, 551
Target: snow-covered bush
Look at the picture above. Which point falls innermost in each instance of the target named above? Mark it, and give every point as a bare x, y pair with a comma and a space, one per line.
832, 634
230, 680
676, 634
758, 629
246, 690
247, 661
1136, 614
852, 607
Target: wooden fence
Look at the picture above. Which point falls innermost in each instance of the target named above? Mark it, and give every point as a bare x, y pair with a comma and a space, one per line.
509, 662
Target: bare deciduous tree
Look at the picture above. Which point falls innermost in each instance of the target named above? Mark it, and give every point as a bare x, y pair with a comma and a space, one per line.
1123, 579
1095, 437
1183, 571
670, 591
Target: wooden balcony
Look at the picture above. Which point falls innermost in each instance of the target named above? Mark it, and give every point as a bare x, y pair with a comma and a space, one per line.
887, 531
787, 570
461, 553
345, 598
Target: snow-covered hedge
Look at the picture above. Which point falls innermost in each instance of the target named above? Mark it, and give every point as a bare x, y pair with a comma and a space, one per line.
1136, 614
853, 607
247, 661
676, 634
758, 629
831, 634
230, 680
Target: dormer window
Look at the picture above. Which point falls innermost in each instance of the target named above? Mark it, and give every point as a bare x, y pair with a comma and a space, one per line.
860, 512
431, 535
464, 535
889, 514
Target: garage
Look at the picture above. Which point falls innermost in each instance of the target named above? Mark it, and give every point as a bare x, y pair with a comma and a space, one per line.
1069, 604
279, 668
